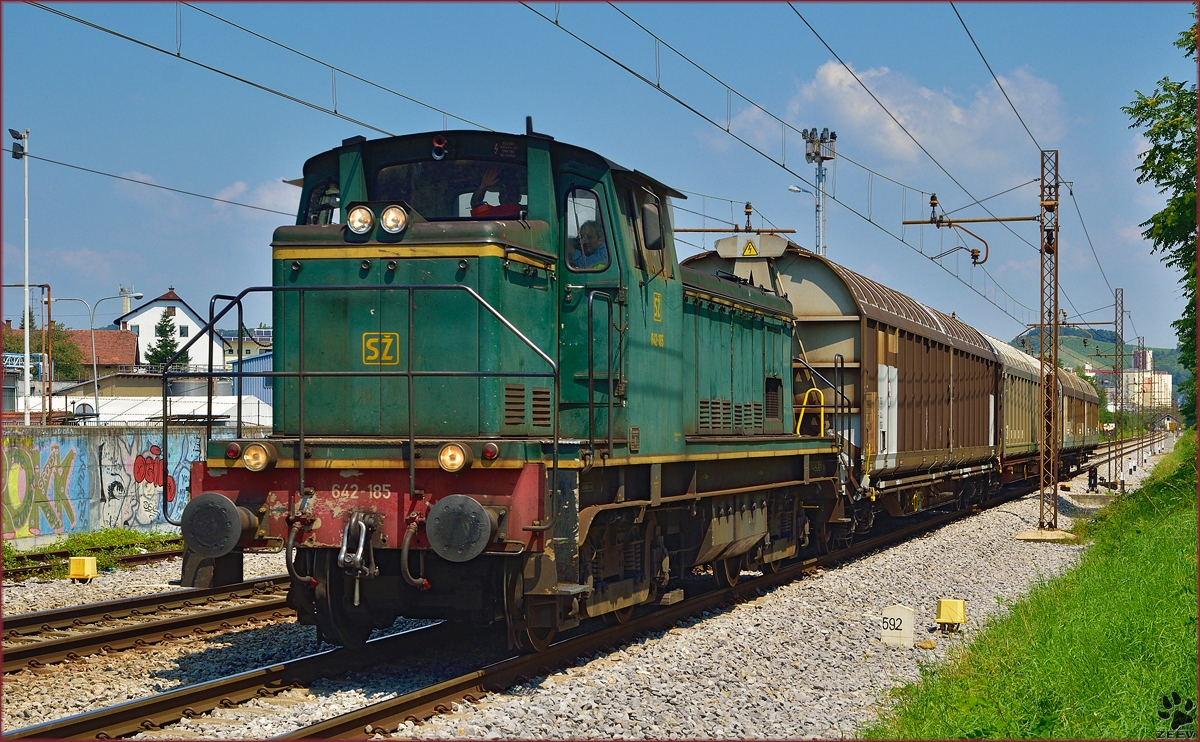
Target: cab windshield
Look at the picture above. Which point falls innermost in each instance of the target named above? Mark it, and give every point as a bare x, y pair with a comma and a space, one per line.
456, 189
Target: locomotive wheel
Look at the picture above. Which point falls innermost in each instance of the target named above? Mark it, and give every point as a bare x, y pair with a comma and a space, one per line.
334, 622
772, 567
615, 618
536, 639
727, 571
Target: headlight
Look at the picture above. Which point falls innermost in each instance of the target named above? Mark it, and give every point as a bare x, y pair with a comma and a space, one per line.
454, 457
359, 220
258, 456
393, 220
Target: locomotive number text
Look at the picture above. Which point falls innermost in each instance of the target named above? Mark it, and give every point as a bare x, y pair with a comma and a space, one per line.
376, 491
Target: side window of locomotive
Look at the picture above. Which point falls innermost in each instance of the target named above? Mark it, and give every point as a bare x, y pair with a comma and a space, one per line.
323, 204
645, 214
587, 239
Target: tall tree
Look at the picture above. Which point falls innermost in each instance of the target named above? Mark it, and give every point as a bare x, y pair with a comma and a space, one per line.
68, 358
166, 343
1168, 116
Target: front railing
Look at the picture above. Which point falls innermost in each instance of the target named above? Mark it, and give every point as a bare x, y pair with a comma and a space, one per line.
235, 302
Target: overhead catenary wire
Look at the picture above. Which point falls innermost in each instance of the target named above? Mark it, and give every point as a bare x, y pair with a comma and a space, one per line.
210, 68
731, 91
1003, 307
338, 69
156, 185
994, 77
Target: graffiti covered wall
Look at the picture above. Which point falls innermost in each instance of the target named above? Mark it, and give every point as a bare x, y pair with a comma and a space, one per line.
72, 479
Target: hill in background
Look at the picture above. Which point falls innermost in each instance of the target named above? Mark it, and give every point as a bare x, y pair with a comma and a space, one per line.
1072, 351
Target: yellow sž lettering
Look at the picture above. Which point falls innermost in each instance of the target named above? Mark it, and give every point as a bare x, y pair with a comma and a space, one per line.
381, 348
658, 340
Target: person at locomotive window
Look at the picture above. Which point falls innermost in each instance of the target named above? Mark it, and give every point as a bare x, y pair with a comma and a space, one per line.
592, 249
510, 198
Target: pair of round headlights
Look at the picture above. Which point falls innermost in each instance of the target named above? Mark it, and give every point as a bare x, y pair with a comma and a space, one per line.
361, 219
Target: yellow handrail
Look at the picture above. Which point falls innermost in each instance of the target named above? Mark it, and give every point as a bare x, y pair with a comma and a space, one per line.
804, 408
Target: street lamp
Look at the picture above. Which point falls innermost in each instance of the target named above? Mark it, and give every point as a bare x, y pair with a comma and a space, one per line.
20, 149
92, 332
817, 205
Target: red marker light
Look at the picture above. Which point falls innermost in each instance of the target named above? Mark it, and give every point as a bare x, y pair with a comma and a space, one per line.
232, 451
490, 451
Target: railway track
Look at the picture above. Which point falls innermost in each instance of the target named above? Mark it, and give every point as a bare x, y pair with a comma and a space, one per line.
33, 640
49, 560
153, 712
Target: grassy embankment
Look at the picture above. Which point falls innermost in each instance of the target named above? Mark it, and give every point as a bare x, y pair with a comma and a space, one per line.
1091, 653
114, 542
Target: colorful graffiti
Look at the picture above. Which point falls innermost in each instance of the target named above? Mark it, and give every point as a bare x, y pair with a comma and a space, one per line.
64, 480
132, 477
39, 498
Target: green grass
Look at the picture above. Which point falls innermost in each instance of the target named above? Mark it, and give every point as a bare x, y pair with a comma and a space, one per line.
114, 542
1089, 654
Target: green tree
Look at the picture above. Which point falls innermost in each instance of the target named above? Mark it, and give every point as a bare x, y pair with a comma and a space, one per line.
1168, 116
67, 357
165, 344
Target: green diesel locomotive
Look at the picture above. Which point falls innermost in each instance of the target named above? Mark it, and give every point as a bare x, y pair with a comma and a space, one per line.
500, 397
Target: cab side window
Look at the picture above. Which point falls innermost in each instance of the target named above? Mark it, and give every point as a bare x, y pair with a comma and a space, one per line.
323, 204
587, 239
645, 216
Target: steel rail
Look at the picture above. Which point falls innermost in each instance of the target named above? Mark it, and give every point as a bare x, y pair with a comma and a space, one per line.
422, 704
38, 653
164, 708
24, 624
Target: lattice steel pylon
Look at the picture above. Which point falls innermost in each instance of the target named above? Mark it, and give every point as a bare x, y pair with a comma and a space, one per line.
1118, 375
1048, 346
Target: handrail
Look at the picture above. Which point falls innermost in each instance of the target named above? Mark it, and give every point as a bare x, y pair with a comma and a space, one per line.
410, 373
804, 409
592, 380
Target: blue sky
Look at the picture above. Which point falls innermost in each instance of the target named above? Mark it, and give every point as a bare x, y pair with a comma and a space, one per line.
101, 102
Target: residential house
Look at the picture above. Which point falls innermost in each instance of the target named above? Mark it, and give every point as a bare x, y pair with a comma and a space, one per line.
142, 319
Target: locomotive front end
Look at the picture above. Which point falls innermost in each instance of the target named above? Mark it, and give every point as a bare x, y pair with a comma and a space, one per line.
408, 468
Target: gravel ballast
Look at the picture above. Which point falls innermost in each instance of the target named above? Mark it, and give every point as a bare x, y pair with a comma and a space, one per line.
804, 660
37, 594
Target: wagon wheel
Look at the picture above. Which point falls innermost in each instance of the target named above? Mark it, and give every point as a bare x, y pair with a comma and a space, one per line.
617, 617
772, 567
824, 537
727, 571
536, 639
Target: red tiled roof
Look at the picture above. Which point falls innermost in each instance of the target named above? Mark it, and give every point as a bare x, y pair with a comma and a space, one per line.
113, 347
169, 296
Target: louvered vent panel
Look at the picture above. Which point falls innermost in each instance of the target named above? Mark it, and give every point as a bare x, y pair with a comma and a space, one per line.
737, 417
705, 416
726, 415
541, 407
772, 407
758, 417
514, 404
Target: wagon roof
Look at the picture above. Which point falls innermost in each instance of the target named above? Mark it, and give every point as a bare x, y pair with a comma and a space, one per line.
878, 302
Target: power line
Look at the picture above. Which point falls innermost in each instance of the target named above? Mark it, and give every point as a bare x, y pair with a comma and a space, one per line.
337, 69
210, 68
994, 195
673, 97
706, 216
1071, 191
739, 94
155, 185
997, 79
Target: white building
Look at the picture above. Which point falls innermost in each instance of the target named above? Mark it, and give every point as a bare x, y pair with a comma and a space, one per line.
141, 321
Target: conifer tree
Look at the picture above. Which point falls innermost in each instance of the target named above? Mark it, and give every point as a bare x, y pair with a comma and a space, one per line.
165, 343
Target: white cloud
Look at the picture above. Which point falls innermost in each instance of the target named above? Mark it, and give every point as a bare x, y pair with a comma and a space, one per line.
963, 131
272, 194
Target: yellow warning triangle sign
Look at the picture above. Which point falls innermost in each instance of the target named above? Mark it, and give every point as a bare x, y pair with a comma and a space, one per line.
749, 250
